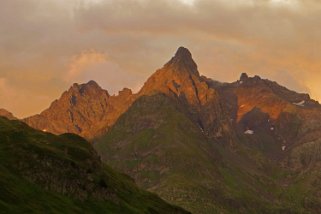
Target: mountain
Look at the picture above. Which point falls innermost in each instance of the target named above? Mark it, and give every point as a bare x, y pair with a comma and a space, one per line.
86, 110
42, 172
165, 152
251, 146
180, 79
89, 111
7, 114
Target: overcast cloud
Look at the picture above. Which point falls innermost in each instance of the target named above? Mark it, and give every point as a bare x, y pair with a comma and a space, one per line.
47, 45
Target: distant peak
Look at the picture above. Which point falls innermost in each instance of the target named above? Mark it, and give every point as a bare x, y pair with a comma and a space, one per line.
7, 114
85, 88
92, 83
257, 77
89, 83
3, 110
244, 77
183, 52
183, 61
75, 85
125, 92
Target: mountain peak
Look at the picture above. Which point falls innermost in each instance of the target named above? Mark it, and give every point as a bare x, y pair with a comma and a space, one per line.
92, 83
7, 114
88, 87
183, 52
125, 92
85, 109
244, 77
183, 61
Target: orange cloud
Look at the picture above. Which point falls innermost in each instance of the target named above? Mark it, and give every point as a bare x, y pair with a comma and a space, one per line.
94, 65
17, 100
83, 62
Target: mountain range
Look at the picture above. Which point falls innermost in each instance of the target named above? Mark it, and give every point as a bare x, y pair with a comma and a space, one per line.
250, 146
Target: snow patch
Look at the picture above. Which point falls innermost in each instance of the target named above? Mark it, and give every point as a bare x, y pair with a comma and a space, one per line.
283, 148
44, 130
272, 128
249, 132
300, 103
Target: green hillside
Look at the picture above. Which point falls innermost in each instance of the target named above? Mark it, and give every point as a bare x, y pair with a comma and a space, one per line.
44, 173
157, 144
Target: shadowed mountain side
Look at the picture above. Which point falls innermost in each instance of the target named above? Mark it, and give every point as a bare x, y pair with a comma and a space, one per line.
44, 173
158, 145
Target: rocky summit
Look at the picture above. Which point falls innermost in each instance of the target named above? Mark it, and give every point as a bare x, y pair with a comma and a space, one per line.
85, 109
180, 80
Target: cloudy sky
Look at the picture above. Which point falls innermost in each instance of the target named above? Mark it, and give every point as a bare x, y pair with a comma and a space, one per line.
46, 45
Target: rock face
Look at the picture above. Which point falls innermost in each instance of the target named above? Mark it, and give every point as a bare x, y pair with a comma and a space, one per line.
279, 116
7, 114
179, 78
266, 95
86, 110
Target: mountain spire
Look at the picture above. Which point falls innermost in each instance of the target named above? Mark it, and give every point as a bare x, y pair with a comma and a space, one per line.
183, 61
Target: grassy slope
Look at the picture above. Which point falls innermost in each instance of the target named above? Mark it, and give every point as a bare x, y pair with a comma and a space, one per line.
149, 144
165, 152
40, 173
305, 188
